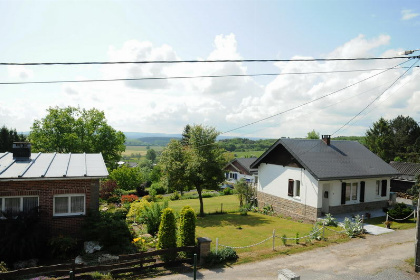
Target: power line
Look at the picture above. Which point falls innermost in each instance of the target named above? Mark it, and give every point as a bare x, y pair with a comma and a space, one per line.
418, 59
313, 100
199, 61
195, 77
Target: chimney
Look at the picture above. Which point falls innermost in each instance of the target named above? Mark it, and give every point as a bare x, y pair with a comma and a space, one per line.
326, 139
21, 151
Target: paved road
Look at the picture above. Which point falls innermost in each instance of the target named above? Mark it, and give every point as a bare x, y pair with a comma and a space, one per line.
379, 257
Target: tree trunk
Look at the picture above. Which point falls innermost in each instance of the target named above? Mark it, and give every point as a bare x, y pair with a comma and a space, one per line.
200, 198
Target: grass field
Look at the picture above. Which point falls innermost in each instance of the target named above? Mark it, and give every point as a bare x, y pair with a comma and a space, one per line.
140, 150
248, 154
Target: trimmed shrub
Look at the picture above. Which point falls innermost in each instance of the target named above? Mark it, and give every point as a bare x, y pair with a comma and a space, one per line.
400, 211
137, 209
175, 196
187, 221
167, 233
157, 186
224, 255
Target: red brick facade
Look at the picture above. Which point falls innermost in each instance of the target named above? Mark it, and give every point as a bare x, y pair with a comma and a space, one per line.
45, 190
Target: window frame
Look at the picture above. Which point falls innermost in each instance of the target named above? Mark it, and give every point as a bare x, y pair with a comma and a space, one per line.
293, 188
69, 213
21, 197
353, 188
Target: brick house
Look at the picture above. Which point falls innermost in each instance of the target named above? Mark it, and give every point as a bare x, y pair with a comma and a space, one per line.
63, 186
305, 178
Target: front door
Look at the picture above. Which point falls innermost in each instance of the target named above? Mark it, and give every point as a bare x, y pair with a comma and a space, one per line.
326, 198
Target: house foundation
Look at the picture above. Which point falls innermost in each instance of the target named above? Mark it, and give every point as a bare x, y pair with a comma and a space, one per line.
359, 207
288, 207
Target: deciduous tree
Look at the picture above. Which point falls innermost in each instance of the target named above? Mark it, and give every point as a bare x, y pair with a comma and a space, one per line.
77, 130
7, 137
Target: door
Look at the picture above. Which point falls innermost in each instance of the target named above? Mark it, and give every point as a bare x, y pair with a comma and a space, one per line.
325, 198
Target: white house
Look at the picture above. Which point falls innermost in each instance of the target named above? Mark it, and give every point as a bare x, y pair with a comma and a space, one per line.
308, 178
241, 168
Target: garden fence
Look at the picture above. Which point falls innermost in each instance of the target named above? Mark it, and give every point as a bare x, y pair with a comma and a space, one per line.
133, 263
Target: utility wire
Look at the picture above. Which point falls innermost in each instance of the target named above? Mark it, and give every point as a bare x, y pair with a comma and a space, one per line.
377, 97
201, 61
194, 77
313, 100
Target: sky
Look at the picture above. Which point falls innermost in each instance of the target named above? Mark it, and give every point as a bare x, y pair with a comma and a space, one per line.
340, 102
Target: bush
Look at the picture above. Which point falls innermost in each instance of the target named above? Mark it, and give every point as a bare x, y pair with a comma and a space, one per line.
209, 194
107, 189
128, 198
167, 233
136, 210
328, 221
22, 237
63, 247
353, 227
114, 199
187, 221
151, 216
224, 255
3, 267
157, 186
227, 191
400, 211
175, 196
109, 229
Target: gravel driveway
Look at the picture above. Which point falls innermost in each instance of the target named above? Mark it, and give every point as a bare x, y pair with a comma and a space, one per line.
379, 257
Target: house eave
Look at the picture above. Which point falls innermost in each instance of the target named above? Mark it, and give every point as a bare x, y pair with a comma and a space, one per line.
359, 177
51, 178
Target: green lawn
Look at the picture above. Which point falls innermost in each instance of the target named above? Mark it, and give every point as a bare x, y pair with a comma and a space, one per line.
379, 221
227, 203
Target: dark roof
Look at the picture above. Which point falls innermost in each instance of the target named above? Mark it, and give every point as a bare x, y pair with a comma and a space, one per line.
246, 163
406, 168
339, 160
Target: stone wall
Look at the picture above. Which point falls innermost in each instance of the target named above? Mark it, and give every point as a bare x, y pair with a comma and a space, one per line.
288, 207
359, 207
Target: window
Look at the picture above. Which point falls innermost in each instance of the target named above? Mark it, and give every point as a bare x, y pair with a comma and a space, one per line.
351, 191
233, 175
16, 205
383, 187
378, 188
69, 204
293, 189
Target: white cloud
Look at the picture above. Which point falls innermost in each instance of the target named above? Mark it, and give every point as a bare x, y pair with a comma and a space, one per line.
408, 14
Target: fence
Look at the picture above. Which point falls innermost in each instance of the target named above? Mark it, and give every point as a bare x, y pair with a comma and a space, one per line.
133, 263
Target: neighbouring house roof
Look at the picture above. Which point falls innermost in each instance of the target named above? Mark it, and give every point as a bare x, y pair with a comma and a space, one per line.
52, 165
408, 170
245, 163
339, 160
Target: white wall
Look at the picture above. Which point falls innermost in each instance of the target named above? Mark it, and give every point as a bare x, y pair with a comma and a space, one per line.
274, 180
370, 190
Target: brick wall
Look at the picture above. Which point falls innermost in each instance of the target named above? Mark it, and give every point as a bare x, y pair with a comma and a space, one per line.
288, 207
45, 190
359, 207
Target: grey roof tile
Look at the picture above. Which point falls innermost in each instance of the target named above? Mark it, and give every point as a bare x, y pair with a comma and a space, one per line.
340, 160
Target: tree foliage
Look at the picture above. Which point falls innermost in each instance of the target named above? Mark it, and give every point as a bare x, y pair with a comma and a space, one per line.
151, 155
196, 161
75, 130
245, 144
173, 164
244, 191
7, 137
398, 138
312, 135
127, 178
